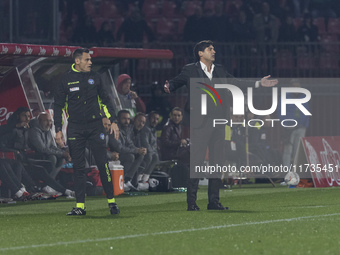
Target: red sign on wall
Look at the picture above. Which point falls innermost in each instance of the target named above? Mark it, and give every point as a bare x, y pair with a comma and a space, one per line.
322, 154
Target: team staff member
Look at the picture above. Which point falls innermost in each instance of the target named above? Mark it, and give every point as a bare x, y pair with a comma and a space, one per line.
82, 94
212, 138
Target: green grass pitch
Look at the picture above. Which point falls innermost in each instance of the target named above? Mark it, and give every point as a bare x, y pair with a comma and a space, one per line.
261, 220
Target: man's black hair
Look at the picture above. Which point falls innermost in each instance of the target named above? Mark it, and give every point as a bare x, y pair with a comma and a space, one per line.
177, 109
78, 53
15, 117
152, 113
201, 46
122, 112
139, 114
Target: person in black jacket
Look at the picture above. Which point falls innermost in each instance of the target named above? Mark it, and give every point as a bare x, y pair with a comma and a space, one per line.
171, 138
200, 128
82, 93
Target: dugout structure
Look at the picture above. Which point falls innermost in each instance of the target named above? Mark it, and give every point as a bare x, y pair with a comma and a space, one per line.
29, 73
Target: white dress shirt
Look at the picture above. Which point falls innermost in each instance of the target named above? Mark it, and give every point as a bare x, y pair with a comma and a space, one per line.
205, 69
210, 76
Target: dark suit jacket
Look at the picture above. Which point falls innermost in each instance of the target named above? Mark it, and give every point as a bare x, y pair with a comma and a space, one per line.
194, 70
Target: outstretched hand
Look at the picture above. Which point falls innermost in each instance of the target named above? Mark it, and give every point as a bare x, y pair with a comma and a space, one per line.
115, 129
268, 83
167, 87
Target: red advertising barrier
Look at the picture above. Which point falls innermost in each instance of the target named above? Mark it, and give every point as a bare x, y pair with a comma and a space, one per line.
322, 155
36, 50
66, 51
12, 95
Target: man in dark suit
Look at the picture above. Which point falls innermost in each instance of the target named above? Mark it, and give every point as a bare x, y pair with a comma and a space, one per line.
210, 137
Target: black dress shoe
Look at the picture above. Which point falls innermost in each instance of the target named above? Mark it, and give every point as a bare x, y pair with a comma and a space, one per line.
193, 207
216, 206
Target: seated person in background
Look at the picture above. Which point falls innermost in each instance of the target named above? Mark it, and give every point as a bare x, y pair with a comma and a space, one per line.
60, 141
19, 124
41, 141
171, 138
111, 143
151, 158
130, 156
139, 139
128, 98
13, 138
61, 144
11, 181
18, 141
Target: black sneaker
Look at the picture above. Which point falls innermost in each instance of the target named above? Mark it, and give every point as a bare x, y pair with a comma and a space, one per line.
77, 211
114, 208
216, 206
193, 207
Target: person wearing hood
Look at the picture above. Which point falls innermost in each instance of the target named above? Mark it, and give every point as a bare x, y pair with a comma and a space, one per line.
128, 98
18, 124
22, 113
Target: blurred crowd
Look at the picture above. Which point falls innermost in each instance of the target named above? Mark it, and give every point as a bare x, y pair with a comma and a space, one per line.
110, 23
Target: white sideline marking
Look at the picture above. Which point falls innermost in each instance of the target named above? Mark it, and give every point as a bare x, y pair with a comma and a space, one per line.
311, 206
165, 233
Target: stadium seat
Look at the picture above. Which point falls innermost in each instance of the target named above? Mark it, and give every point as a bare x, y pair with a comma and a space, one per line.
168, 9
238, 3
328, 61
320, 23
334, 26
107, 9
329, 43
90, 9
151, 11
284, 60
148, 2
179, 24
165, 29
97, 22
297, 22
189, 8
143, 65
305, 61
116, 23
209, 5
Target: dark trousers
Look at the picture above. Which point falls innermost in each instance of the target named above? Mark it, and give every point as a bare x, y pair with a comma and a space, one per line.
203, 138
39, 172
8, 178
213, 190
150, 161
131, 163
77, 136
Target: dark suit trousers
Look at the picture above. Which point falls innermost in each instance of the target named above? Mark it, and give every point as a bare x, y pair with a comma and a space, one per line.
212, 138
